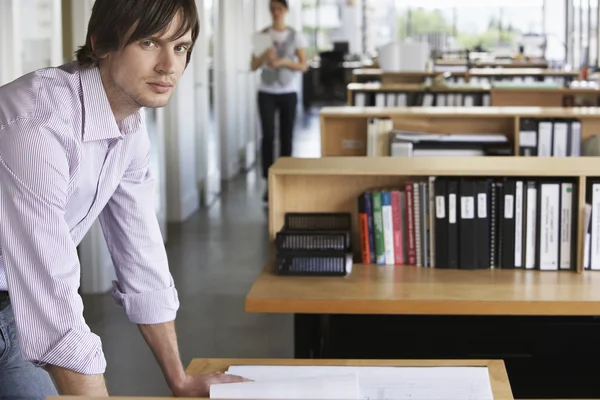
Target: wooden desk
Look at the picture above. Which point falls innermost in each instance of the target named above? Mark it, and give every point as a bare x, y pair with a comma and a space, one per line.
498, 376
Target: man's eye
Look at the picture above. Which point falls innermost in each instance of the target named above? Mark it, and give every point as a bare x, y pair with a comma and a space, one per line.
180, 49
147, 43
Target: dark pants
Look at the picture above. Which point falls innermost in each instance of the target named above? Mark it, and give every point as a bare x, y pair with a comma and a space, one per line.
267, 105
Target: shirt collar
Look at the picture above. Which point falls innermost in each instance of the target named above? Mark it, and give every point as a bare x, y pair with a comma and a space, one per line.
98, 119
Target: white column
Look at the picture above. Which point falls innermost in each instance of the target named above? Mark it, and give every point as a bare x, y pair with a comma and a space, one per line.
207, 139
10, 42
555, 27
351, 23
227, 112
180, 135
57, 43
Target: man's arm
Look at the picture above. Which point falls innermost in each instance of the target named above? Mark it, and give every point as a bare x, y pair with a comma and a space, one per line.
40, 259
145, 286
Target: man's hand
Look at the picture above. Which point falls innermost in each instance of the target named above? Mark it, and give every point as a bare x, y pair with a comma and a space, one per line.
199, 385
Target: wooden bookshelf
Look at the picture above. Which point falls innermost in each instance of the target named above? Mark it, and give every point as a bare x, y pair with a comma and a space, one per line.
532, 319
334, 184
499, 96
344, 129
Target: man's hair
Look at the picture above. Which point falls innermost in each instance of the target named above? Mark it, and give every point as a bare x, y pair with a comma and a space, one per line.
282, 2
111, 21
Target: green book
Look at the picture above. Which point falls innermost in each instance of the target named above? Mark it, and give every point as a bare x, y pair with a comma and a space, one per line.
378, 229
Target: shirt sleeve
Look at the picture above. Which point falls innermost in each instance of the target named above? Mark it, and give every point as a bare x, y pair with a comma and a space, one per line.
144, 285
38, 252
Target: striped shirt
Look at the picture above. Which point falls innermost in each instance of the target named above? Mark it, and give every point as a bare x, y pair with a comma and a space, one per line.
64, 162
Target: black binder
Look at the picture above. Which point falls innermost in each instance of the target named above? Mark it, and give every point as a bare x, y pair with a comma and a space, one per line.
453, 207
441, 223
467, 225
482, 223
508, 224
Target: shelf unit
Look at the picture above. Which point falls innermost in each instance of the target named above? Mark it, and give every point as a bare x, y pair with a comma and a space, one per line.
333, 184
378, 75
499, 96
344, 129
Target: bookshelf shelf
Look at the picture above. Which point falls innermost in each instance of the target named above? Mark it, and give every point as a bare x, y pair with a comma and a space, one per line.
375, 289
344, 129
332, 167
365, 75
507, 95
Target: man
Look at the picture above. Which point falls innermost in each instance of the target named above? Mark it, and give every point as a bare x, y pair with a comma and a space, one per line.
74, 147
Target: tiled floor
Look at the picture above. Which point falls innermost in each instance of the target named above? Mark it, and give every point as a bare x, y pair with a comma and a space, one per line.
214, 258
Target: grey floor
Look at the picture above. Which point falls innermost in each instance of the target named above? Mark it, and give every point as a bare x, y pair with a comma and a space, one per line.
214, 258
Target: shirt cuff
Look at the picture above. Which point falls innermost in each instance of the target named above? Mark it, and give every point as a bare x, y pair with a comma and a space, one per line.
78, 351
154, 307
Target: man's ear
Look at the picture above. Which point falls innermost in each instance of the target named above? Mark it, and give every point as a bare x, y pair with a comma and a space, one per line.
93, 44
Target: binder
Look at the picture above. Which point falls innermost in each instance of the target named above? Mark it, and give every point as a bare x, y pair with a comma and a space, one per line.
498, 228
560, 138
574, 146
518, 233
441, 224
482, 224
568, 222
548, 231
545, 132
528, 132
508, 224
531, 212
593, 194
452, 239
467, 227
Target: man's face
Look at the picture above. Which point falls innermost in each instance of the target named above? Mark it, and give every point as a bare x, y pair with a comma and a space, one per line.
145, 73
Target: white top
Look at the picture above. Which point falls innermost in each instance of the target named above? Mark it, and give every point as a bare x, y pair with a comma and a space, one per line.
277, 88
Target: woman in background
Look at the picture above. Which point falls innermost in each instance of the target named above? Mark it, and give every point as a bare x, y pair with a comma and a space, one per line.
282, 64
